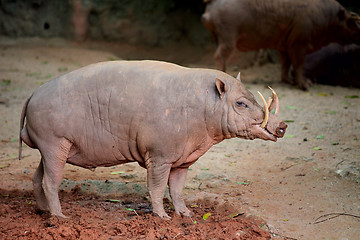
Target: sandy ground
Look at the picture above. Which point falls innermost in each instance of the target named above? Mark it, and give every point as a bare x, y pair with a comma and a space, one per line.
313, 171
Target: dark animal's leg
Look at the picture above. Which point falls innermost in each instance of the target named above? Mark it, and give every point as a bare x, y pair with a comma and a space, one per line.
176, 184
41, 203
298, 59
285, 66
157, 178
222, 53
54, 159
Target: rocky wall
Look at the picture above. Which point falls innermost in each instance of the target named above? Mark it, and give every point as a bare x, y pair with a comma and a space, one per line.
150, 22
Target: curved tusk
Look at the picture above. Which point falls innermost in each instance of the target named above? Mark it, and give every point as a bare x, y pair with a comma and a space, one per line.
266, 118
238, 77
276, 102
270, 104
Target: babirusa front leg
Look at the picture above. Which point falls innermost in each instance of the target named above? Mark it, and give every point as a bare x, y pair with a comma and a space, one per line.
157, 178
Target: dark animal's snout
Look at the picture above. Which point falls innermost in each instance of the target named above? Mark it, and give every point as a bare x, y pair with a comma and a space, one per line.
280, 130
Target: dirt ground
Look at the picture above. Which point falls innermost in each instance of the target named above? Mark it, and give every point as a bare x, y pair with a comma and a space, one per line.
252, 189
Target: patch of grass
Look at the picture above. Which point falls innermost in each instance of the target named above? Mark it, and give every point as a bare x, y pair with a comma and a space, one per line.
33, 74
352, 96
46, 76
5, 82
62, 69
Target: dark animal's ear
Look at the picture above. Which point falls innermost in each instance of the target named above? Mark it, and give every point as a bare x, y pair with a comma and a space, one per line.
238, 77
221, 87
341, 14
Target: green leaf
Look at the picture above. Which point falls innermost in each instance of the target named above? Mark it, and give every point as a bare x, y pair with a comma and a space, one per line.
330, 112
335, 143
290, 107
352, 96
4, 166
317, 148
316, 169
112, 200
129, 209
289, 136
205, 169
118, 172
227, 155
243, 183
289, 121
320, 136
206, 216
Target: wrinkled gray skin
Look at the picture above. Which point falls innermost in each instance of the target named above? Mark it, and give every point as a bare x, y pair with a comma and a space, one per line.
295, 28
158, 114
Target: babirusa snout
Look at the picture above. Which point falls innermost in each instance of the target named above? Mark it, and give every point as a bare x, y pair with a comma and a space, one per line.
280, 130
266, 108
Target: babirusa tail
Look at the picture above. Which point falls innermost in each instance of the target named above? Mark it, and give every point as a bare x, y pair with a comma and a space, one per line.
22, 121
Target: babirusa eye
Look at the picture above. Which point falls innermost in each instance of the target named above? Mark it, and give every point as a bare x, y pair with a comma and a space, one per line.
241, 104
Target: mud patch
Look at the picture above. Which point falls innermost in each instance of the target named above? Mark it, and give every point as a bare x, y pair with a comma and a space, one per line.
94, 217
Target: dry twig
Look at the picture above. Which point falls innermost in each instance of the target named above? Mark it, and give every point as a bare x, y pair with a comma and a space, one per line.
333, 215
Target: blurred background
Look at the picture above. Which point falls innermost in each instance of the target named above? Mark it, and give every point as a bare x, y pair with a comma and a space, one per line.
150, 22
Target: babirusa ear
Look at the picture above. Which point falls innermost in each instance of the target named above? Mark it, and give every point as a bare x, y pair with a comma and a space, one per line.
238, 77
220, 85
